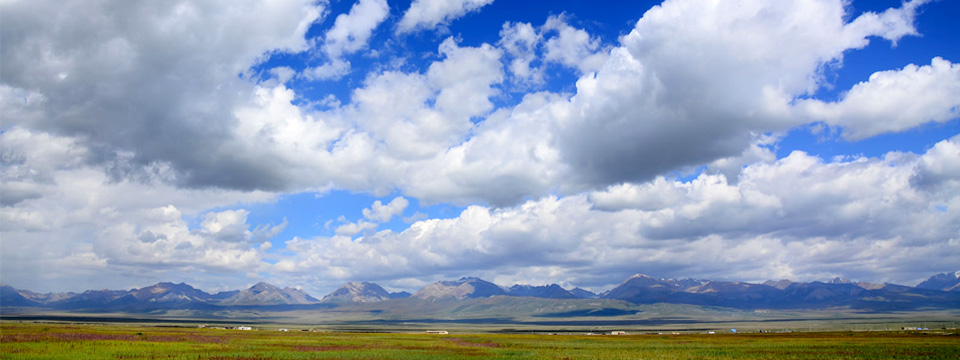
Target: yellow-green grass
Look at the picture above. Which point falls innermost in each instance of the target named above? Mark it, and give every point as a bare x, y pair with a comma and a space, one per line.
72, 341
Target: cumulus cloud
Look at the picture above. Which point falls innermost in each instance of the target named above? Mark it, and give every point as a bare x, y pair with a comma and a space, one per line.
571, 46
428, 14
893, 101
693, 81
351, 229
689, 85
375, 215
101, 101
799, 217
520, 42
160, 238
351, 31
555, 42
148, 79
349, 34
333, 70
87, 230
383, 213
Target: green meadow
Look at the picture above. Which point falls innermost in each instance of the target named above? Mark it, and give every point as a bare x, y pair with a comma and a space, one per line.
89, 341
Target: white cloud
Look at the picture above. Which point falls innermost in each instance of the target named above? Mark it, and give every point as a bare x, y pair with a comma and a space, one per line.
520, 41
693, 84
377, 214
799, 217
85, 63
465, 80
228, 225
351, 229
160, 238
383, 213
571, 46
893, 101
693, 81
670, 97
760, 150
333, 70
417, 116
428, 14
350, 33
892, 24
510, 157
86, 230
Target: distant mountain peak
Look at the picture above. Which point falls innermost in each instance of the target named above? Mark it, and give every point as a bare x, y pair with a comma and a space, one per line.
467, 287
840, 280
263, 293
944, 281
262, 286
781, 284
939, 291
552, 291
358, 292
583, 294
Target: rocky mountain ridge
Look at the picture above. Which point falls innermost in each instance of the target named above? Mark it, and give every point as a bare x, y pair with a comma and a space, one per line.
939, 291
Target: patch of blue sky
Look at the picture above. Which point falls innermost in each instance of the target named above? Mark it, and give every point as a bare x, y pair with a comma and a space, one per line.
826, 143
310, 214
936, 26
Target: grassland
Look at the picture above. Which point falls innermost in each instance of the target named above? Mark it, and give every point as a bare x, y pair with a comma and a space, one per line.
73, 341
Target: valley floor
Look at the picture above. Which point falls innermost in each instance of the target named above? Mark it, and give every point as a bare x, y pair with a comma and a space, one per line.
29, 340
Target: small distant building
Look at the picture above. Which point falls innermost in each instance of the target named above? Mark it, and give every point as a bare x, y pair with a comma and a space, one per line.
244, 328
283, 330
618, 333
438, 332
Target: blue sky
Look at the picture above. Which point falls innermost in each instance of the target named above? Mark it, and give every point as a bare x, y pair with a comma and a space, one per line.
310, 143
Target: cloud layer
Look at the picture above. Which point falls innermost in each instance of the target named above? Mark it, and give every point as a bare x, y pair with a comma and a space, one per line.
799, 217
143, 131
428, 14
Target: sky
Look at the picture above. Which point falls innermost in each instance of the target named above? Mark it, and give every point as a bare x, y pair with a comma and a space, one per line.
311, 143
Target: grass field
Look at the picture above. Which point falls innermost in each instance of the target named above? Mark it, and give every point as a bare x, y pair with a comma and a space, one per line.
71, 341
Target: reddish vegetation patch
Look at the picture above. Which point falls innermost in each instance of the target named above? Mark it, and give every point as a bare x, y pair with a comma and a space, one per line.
69, 336
183, 338
312, 348
463, 342
65, 337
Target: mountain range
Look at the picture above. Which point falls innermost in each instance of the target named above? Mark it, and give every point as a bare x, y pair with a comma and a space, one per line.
939, 291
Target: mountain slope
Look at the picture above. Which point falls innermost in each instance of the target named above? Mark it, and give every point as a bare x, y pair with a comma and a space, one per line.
90, 299
552, 291
938, 292
265, 294
357, 292
839, 293
583, 294
12, 298
945, 282
468, 287
169, 292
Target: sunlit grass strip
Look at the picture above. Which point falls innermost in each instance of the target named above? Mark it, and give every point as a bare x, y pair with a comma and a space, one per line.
59, 341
